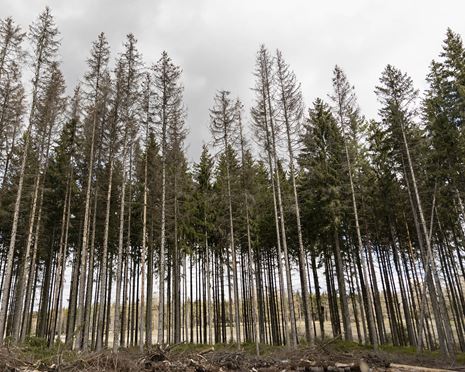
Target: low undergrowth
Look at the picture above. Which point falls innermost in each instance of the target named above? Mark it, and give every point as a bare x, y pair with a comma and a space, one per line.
35, 354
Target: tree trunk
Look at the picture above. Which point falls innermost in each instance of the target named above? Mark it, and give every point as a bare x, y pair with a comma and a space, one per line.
103, 262
90, 281
61, 261
161, 269
309, 335
119, 263
233, 259
364, 273
342, 287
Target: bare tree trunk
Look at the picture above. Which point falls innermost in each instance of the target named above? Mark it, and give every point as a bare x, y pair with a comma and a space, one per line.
369, 295
103, 262
86, 225
85, 236
250, 267
60, 271
23, 287
301, 253
149, 250
90, 280
342, 287
284, 297
176, 267
25, 266
441, 318
161, 269
293, 330
252, 275
28, 292
142, 275
11, 250
39, 65
119, 263
272, 143
209, 300
283, 294
125, 305
234, 260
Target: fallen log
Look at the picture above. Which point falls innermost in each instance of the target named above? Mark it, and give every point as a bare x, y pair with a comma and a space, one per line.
405, 367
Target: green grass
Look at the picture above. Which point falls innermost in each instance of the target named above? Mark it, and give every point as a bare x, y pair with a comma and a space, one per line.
36, 349
343, 345
265, 349
460, 358
188, 347
410, 350
347, 346
247, 347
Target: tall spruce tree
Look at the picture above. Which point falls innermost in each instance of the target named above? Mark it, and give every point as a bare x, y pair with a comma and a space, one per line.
168, 108
347, 113
397, 96
223, 126
94, 87
43, 36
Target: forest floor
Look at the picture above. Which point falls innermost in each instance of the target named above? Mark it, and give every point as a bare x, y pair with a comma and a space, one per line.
332, 355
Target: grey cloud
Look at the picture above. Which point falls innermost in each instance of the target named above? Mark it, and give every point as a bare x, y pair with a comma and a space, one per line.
215, 41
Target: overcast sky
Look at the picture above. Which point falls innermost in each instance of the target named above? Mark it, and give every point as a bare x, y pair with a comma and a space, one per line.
215, 41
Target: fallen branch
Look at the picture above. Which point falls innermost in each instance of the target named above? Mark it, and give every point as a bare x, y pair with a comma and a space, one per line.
324, 344
210, 349
416, 368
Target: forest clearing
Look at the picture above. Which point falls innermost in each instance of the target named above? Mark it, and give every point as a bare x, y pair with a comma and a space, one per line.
333, 355
305, 236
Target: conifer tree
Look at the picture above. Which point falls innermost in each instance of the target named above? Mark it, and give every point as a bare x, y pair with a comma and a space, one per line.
290, 107
62, 177
12, 94
43, 36
397, 96
130, 61
203, 173
267, 131
223, 127
93, 94
320, 185
251, 267
51, 105
346, 110
168, 108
